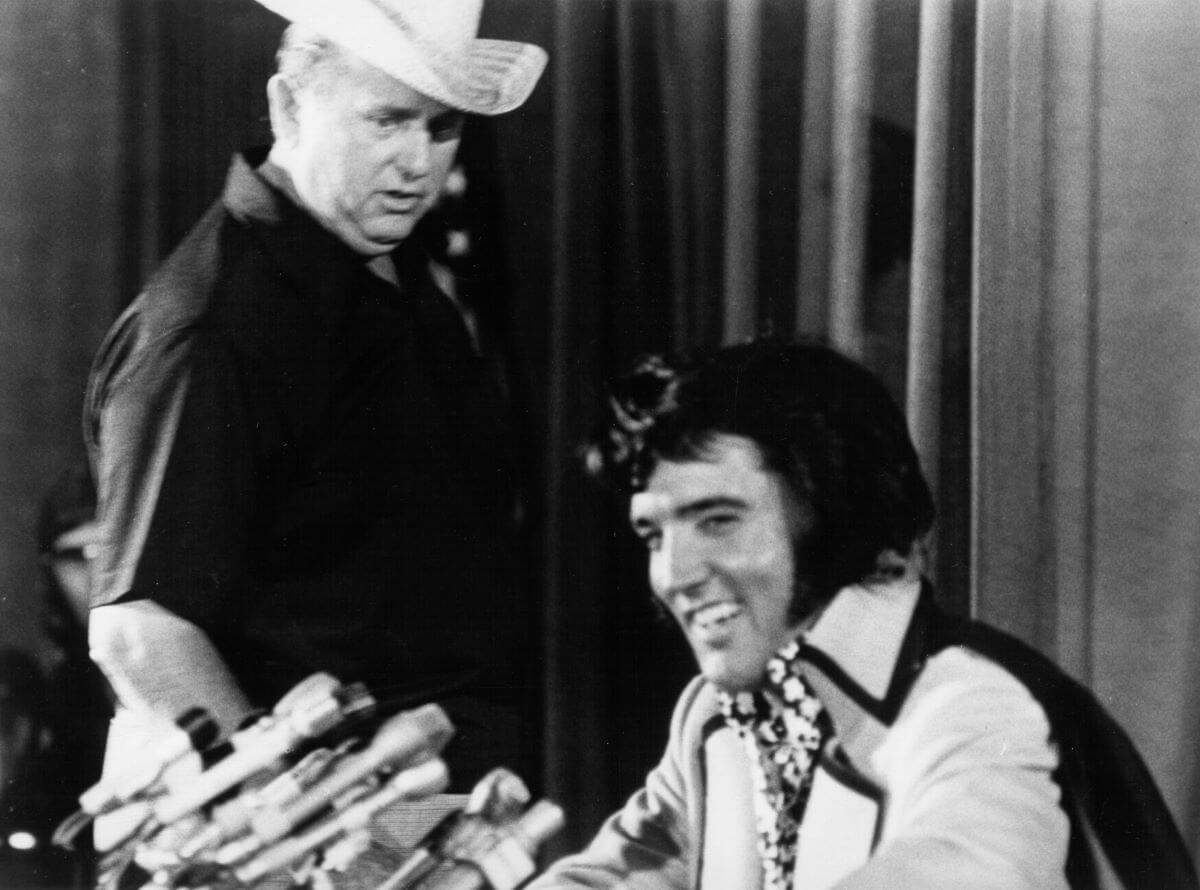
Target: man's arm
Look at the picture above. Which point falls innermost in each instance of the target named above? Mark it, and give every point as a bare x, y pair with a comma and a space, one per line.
972, 801
648, 844
161, 664
169, 431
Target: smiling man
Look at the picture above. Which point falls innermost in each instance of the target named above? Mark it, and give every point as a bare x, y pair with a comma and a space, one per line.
301, 451
843, 732
719, 535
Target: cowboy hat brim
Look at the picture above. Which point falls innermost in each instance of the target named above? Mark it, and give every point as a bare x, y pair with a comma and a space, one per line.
487, 77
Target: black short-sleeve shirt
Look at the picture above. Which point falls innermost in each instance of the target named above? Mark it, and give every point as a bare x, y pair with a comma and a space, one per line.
315, 468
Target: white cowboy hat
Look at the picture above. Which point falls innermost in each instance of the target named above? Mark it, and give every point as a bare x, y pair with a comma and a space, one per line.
430, 45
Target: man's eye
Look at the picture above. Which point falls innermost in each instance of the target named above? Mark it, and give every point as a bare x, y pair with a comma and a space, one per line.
719, 523
446, 127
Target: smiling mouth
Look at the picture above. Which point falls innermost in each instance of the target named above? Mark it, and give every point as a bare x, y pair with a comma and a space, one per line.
713, 616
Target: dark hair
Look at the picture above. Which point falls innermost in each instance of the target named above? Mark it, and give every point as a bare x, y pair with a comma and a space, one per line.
825, 424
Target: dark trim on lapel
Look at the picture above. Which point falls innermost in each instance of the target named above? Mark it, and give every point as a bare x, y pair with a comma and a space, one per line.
909, 661
711, 725
835, 764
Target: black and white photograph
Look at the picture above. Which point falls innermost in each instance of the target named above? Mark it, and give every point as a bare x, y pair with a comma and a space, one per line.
633, 444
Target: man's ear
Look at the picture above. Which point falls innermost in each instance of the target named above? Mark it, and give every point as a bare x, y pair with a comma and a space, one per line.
891, 565
283, 105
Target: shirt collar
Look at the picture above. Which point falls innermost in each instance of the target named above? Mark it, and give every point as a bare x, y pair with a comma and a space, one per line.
316, 262
862, 656
884, 611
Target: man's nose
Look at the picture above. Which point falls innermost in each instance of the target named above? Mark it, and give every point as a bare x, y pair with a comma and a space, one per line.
414, 154
678, 565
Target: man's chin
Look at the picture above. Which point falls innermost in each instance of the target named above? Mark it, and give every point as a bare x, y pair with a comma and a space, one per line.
732, 679
386, 235
386, 243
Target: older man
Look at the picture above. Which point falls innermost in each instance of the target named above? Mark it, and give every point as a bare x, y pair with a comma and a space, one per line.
842, 732
300, 451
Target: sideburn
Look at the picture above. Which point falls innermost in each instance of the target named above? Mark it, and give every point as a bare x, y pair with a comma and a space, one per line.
808, 598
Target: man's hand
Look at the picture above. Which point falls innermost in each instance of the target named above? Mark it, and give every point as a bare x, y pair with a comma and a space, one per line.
160, 664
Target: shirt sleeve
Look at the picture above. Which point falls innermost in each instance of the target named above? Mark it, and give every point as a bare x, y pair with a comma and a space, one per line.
972, 799
171, 439
647, 845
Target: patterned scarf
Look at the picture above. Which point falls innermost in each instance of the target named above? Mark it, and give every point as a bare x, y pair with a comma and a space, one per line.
783, 727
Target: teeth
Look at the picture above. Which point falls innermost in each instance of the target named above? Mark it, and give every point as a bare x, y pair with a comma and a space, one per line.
715, 612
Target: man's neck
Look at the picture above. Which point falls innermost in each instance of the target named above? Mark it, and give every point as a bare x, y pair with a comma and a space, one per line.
276, 174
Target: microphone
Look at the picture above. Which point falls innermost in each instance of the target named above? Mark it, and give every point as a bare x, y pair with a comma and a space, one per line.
425, 778
498, 797
315, 706
420, 733
194, 730
474, 854
231, 819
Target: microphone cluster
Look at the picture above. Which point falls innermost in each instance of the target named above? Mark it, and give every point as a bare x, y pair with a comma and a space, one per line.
296, 791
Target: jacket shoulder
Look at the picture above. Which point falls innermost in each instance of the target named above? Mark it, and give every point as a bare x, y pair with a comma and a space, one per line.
1109, 793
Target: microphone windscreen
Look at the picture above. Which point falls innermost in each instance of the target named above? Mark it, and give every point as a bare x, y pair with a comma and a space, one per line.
405, 738
310, 687
311, 708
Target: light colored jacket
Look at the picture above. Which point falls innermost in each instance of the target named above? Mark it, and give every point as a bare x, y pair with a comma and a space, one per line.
941, 775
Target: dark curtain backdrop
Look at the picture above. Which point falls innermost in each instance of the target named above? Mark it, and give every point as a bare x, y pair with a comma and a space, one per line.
677, 130
631, 237
61, 199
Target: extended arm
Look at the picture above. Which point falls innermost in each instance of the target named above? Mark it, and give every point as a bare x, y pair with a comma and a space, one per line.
649, 844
